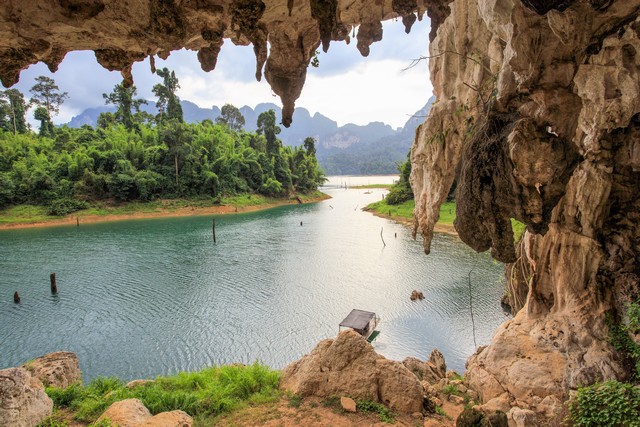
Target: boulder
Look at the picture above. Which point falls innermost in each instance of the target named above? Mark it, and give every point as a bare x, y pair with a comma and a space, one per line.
474, 418
416, 295
349, 365
432, 371
126, 413
500, 403
23, 402
168, 419
523, 417
59, 369
348, 404
132, 413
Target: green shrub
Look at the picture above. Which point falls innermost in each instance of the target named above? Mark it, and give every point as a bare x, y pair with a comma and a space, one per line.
54, 421
62, 207
451, 389
398, 194
208, 392
383, 412
64, 397
331, 402
609, 404
633, 312
620, 339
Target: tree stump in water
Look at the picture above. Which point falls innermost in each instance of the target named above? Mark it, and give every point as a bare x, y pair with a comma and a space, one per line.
54, 287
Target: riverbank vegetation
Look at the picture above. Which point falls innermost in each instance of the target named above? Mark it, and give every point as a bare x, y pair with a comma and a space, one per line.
133, 156
399, 204
203, 395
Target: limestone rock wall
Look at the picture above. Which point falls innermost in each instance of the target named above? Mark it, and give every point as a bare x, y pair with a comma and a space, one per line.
538, 117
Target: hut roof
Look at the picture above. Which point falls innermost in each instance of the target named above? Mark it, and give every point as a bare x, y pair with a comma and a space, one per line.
358, 319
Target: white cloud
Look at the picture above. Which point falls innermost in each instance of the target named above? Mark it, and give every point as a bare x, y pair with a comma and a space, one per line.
374, 91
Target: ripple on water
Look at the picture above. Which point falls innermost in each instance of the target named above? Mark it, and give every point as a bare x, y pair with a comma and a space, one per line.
143, 298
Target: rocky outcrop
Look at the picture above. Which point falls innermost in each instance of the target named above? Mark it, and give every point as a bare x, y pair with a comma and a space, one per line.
348, 365
122, 32
59, 369
431, 371
132, 413
23, 401
538, 119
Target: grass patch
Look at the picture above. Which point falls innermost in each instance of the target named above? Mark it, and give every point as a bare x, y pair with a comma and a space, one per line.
405, 210
295, 400
451, 389
369, 406
456, 376
331, 402
55, 420
207, 393
447, 214
441, 412
25, 213
31, 213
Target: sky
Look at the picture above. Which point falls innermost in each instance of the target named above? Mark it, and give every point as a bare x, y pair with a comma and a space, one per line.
346, 87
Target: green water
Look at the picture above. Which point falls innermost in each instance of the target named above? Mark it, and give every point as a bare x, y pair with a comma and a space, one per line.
148, 297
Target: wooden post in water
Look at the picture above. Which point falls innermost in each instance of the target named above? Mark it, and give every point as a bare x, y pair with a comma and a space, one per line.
16, 297
54, 287
77, 222
300, 223
213, 228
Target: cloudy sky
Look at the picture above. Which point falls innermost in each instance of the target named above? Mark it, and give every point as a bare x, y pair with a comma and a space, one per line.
346, 87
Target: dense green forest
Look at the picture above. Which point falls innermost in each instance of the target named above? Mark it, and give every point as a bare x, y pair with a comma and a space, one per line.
133, 156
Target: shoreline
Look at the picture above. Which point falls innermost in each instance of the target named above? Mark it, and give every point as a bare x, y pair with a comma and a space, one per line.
439, 227
73, 219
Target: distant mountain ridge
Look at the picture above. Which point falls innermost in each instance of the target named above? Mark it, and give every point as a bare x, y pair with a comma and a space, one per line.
375, 148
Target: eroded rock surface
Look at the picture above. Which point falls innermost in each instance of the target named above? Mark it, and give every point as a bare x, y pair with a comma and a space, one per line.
23, 401
122, 32
59, 369
538, 119
133, 413
348, 365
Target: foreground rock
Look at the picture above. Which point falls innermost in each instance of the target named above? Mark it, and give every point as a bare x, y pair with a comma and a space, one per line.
23, 401
348, 365
431, 371
132, 413
60, 369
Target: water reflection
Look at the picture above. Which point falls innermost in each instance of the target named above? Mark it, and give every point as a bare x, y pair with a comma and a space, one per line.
142, 298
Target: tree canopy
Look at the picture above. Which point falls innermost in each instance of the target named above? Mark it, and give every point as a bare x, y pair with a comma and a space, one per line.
131, 158
168, 102
47, 97
128, 108
231, 117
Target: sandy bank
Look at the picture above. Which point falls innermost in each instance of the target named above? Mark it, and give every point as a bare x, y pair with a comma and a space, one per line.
439, 227
161, 213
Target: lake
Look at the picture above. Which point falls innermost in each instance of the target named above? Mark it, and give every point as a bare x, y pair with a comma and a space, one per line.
141, 298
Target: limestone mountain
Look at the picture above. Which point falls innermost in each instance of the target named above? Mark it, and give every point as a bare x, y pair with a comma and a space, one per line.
375, 148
